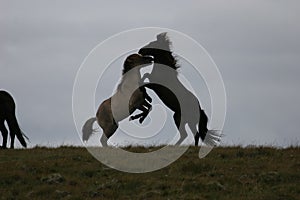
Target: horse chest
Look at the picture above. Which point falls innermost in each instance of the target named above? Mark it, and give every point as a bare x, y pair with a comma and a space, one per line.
127, 97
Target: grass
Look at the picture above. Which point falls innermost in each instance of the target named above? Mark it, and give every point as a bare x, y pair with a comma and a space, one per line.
226, 173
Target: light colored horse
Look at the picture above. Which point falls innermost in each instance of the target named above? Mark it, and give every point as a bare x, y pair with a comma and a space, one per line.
127, 98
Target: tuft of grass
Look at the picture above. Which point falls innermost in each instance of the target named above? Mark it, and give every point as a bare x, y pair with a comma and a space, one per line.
226, 173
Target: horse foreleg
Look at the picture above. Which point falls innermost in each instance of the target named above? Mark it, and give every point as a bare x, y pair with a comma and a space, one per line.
145, 108
177, 118
4, 134
183, 135
142, 116
197, 137
134, 117
148, 98
145, 76
148, 106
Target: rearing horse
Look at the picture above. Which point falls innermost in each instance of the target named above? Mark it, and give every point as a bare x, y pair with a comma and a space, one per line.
163, 80
7, 113
127, 98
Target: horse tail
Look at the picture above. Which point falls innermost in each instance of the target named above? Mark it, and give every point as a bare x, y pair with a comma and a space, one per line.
202, 125
15, 129
209, 137
212, 138
25, 136
87, 129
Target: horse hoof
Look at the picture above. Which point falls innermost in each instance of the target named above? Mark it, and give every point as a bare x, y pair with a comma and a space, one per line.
141, 120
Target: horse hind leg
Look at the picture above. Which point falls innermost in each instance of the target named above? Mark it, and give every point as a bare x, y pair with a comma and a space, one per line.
197, 138
103, 140
196, 134
12, 140
12, 132
202, 127
180, 127
4, 134
15, 130
183, 135
107, 133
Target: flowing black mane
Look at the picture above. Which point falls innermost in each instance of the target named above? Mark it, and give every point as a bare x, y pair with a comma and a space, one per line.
161, 51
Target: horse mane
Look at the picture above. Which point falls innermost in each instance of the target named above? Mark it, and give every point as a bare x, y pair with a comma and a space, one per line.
166, 45
126, 66
162, 48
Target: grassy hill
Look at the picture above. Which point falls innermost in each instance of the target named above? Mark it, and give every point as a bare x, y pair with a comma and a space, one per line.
226, 173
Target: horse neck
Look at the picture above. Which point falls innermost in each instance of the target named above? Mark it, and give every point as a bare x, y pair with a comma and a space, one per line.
167, 76
130, 80
163, 72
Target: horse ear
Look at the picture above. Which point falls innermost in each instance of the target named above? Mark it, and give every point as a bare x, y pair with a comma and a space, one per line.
162, 36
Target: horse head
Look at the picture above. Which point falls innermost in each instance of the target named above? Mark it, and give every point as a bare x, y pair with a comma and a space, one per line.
135, 60
161, 51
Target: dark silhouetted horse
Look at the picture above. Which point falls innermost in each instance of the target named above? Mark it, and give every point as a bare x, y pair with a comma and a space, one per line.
7, 113
117, 107
163, 80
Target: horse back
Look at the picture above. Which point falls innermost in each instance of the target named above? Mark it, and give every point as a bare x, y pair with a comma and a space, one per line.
7, 104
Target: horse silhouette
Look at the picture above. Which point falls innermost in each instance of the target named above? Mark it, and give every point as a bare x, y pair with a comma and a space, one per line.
7, 113
127, 98
163, 80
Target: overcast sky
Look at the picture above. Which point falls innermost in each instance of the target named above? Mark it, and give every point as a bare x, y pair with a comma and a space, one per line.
255, 44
